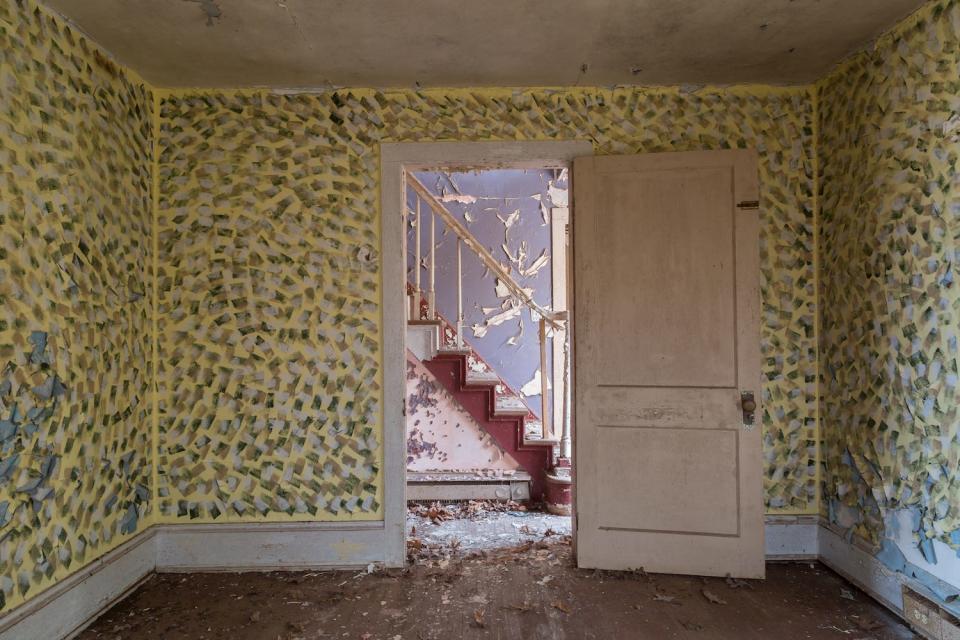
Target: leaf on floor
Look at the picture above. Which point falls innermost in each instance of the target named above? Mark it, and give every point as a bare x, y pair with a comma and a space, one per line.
869, 624
737, 583
712, 597
665, 598
478, 617
557, 604
522, 607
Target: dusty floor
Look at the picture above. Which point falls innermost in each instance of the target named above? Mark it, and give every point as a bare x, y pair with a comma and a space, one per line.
527, 592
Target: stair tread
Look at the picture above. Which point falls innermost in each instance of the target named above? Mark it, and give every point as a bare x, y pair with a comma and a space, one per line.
481, 475
482, 377
460, 351
531, 434
540, 442
510, 405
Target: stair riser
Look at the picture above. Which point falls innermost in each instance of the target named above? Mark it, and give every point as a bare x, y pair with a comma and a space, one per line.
507, 431
423, 341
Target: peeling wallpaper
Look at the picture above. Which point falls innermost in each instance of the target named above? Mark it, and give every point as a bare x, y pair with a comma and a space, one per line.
269, 336
75, 348
889, 142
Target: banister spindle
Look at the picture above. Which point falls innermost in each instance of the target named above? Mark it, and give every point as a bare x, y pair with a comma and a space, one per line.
417, 290
545, 429
432, 294
459, 296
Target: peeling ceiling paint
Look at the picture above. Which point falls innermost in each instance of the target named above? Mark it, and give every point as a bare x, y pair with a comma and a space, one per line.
304, 43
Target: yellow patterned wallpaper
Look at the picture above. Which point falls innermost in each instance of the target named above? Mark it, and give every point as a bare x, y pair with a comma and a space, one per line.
889, 145
75, 239
269, 336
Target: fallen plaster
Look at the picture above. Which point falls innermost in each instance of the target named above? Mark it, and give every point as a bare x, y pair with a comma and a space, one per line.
468, 528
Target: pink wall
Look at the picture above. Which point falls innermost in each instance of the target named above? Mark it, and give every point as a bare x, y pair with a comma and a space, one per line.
441, 435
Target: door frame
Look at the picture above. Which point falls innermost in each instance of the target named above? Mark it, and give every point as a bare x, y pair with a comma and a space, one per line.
395, 159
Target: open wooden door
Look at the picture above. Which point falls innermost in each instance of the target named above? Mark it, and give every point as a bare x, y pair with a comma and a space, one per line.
667, 363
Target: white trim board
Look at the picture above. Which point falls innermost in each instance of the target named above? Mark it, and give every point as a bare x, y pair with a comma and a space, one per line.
853, 561
269, 546
395, 158
791, 538
68, 607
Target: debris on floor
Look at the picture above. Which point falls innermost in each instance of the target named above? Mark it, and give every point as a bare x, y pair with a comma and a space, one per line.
441, 530
530, 591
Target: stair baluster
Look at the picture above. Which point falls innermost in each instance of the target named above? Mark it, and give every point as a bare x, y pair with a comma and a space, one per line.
459, 296
432, 293
415, 299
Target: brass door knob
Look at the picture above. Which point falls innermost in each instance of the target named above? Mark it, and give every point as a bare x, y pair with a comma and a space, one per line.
749, 405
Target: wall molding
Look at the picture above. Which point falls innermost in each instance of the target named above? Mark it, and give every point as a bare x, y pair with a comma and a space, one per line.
854, 561
789, 538
269, 546
69, 606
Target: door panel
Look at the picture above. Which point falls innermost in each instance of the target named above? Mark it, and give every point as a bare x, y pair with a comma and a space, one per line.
666, 339
688, 233
640, 458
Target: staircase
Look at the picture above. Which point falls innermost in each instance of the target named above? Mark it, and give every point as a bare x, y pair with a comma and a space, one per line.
499, 410
441, 348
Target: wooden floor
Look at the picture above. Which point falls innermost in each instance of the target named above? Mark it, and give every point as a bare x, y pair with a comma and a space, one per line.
528, 592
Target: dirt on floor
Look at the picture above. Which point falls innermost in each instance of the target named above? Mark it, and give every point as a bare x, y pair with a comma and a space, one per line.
529, 591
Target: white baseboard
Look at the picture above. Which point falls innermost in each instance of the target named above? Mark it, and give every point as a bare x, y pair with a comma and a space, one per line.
791, 538
68, 607
855, 562
269, 546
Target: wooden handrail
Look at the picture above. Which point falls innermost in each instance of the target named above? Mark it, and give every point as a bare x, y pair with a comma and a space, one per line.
553, 319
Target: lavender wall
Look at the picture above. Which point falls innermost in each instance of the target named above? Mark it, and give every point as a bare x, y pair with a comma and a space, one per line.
487, 202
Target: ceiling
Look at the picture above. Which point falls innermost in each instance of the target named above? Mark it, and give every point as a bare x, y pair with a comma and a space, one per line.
399, 43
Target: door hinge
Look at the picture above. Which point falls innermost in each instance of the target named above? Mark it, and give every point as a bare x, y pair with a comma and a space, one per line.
749, 204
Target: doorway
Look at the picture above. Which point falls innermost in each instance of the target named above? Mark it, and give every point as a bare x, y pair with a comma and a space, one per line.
488, 437
420, 174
